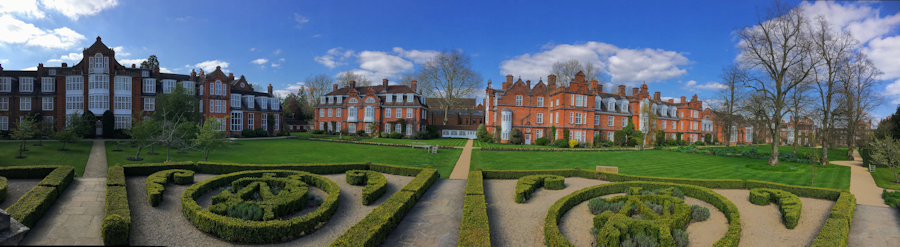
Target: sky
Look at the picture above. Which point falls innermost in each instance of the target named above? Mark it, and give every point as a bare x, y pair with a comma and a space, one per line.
677, 47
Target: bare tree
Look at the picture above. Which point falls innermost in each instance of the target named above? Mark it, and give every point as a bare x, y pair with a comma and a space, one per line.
316, 86
798, 103
832, 50
778, 48
565, 71
344, 78
859, 89
449, 76
406, 79
733, 78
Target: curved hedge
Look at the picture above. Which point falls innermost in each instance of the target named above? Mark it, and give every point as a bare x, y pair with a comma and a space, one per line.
789, 204
245, 231
157, 181
614, 226
376, 184
475, 230
4, 188
291, 198
836, 231
553, 237
528, 184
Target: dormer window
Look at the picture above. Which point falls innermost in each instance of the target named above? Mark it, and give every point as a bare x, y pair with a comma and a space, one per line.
353, 101
52, 72
145, 73
409, 98
389, 98
370, 100
340, 99
610, 106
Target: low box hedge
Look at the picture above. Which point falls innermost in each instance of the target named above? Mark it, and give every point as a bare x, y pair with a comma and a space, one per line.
475, 230
528, 184
709, 183
4, 188
789, 204
396, 170
422, 182
374, 143
801, 191
115, 176
836, 231
516, 174
116, 225
25, 172
147, 169
222, 168
356, 177
32, 206
60, 178
375, 182
556, 149
156, 182
475, 183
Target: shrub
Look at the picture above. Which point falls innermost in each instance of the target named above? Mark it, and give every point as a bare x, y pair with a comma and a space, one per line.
361, 133
32, 206
561, 143
573, 143
396, 135
598, 205
543, 141
699, 213
117, 220
60, 178
528, 184
836, 230
475, 230
482, 134
681, 237
115, 176
222, 168
475, 183
4, 188
788, 203
422, 182
260, 132
356, 177
251, 133
376, 184
156, 182
24, 172
891, 198
516, 136
699, 143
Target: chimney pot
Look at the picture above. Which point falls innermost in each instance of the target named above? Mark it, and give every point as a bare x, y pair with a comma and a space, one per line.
528, 83
656, 96
621, 89
384, 85
682, 99
132, 66
634, 91
270, 89
671, 100
352, 84
334, 87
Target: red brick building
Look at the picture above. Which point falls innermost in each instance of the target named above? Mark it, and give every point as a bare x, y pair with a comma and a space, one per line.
99, 83
390, 108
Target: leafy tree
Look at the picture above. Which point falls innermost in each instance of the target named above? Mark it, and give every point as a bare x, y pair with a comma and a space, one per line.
482, 133
64, 136
678, 136
143, 133
516, 136
24, 130
109, 124
210, 137
177, 106
887, 152
497, 131
270, 127
707, 138
660, 138
619, 137
552, 132
42, 129
89, 128
150, 63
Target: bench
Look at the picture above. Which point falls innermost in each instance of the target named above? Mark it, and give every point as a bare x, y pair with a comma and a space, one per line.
232, 141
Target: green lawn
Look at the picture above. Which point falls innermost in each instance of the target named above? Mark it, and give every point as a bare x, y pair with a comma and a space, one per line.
884, 178
662, 164
839, 153
452, 142
76, 155
292, 151
478, 143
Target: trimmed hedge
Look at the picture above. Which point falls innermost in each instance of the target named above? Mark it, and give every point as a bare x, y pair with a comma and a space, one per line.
157, 181
836, 231
32, 206
802, 191
516, 174
223, 168
709, 183
115, 176
60, 178
553, 236
375, 143
789, 204
290, 199
528, 184
147, 169
24, 172
375, 227
4, 188
376, 184
395, 170
244, 231
356, 177
475, 230
117, 222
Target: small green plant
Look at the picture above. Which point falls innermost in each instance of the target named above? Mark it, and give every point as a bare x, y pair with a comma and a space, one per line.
597, 205
891, 198
699, 213
246, 211
681, 237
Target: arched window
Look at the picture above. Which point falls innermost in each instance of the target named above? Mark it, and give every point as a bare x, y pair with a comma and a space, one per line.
353, 101
98, 60
370, 100
352, 127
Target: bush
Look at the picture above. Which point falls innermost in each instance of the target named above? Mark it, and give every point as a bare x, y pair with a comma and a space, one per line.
248, 133
475, 183
700, 143
396, 135
222, 168
528, 184
836, 230
115, 176
376, 184
4, 188
475, 230
516, 136
891, 198
156, 182
699, 213
788, 203
561, 143
60, 178
260, 132
361, 133
543, 141
573, 143
25, 172
681, 237
147, 169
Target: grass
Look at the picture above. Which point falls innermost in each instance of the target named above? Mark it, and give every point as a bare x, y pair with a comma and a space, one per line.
292, 151
76, 154
478, 143
884, 178
451, 142
839, 153
663, 164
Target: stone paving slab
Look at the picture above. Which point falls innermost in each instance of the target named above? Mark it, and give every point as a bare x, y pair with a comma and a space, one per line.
96, 164
875, 226
75, 218
434, 220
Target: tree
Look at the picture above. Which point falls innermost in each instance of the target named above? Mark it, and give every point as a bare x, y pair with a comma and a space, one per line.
43, 129
887, 152
449, 76
798, 104
109, 124
151, 62
177, 106
143, 133
832, 50
497, 132
64, 136
778, 48
553, 131
89, 128
515, 136
343, 79
292, 107
209, 137
565, 71
316, 86
860, 93
482, 133
733, 77
649, 119
406, 79
24, 130
270, 127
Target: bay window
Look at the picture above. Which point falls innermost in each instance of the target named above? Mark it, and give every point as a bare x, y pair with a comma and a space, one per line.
26, 84
149, 85
123, 122
236, 121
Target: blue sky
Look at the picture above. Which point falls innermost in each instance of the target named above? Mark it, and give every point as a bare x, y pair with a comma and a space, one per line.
677, 47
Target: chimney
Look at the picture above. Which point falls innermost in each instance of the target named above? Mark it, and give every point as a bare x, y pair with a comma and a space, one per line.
528, 83
634, 91
682, 99
644, 88
413, 85
270, 89
621, 89
594, 84
656, 96
551, 80
489, 83
352, 84
334, 87
65, 65
384, 85
672, 101
193, 74
579, 77
694, 99
132, 66
230, 76
509, 79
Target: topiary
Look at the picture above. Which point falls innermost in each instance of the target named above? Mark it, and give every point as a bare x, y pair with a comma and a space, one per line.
516, 136
116, 229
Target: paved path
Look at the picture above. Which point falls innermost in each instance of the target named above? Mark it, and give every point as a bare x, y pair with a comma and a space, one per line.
96, 164
862, 185
875, 226
435, 220
461, 170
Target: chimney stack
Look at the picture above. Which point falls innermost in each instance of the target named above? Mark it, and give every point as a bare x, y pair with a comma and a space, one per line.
270, 89
672, 101
528, 83
621, 89
682, 99
334, 87
384, 85
230, 76
65, 65
352, 84
594, 84
579, 77
656, 96
193, 74
694, 99
132, 66
413, 85
634, 91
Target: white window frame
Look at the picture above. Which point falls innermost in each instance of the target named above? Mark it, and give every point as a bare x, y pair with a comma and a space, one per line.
47, 103
611, 121
540, 118
610, 136
237, 121
250, 121
122, 121
26, 84
24, 103
387, 112
168, 86
409, 112
321, 112
540, 102
518, 100
75, 103
265, 122
330, 112
399, 112
236, 100
624, 121
408, 129
338, 110
149, 104
277, 124
47, 85
4, 103
5, 84
4, 123
596, 120
370, 100
398, 128
579, 100
149, 85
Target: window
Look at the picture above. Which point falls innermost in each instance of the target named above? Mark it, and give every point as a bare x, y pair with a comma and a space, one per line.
610, 121
98, 101
504, 136
539, 133
338, 112
571, 100
265, 122
277, 123
124, 103
188, 87
367, 129
122, 83
47, 85
398, 128
354, 101
370, 100
340, 99
579, 100
557, 102
47, 103
250, 102
387, 112
409, 98
557, 117
682, 125
149, 85
399, 112
370, 113
150, 104
351, 112
409, 129
168, 85
48, 119
235, 100
26, 85
624, 121
5, 84
52, 72
321, 112
123, 121
664, 124
236, 122
74, 102
250, 121
350, 127
609, 135
681, 114
540, 102
596, 120
330, 112
98, 82
387, 127
24, 103
4, 123
4, 103
540, 118
518, 100
409, 112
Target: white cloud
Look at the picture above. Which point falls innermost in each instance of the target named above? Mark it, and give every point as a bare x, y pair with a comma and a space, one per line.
260, 61
378, 65
281, 59
300, 20
186, 18
210, 66
27, 8
296, 86
129, 62
55, 61
892, 92
885, 53
863, 22
252, 48
712, 102
625, 66
72, 56
4, 60
317, 35
14, 31
77, 8
164, 70
30, 68
676, 100
281, 93
334, 57
277, 52
120, 51
417, 56
275, 65
693, 86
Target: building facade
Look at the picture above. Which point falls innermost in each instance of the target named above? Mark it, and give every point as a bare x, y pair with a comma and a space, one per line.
387, 108
99, 83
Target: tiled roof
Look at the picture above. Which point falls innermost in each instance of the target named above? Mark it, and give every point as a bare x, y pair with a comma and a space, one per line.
377, 89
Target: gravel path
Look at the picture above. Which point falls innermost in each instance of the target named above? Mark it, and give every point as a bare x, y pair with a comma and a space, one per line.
436, 218
165, 224
16, 189
514, 224
862, 185
762, 225
706, 233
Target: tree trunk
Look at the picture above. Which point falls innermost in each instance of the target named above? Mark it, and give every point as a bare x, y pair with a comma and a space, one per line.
447, 112
64, 145
776, 139
138, 154
850, 140
167, 153
206, 156
896, 176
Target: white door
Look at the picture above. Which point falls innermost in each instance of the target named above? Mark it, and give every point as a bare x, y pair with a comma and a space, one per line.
99, 128
527, 139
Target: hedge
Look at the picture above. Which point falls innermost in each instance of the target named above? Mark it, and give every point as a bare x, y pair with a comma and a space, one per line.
223, 168
528, 184
376, 184
117, 221
836, 231
156, 182
25, 172
237, 230
801, 191
115, 176
32, 206
4, 188
374, 143
475, 230
291, 198
396, 170
789, 204
553, 236
516, 174
556, 149
356, 177
709, 183
60, 178
375, 227
147, 169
